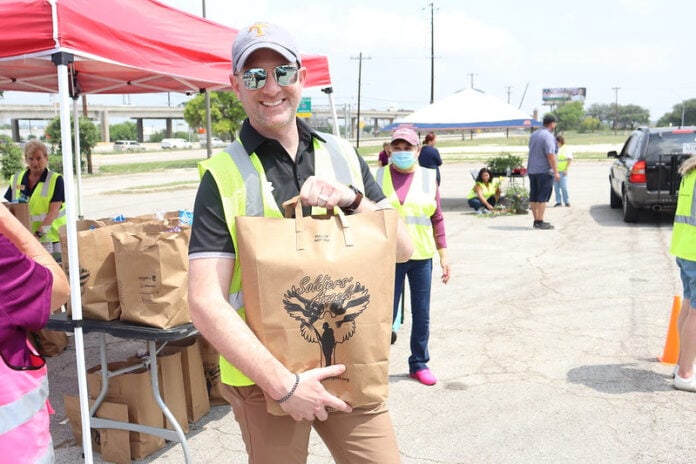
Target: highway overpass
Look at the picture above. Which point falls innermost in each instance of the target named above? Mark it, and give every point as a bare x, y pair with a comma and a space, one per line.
321, 116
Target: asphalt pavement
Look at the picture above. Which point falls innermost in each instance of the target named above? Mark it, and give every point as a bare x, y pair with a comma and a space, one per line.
545, 343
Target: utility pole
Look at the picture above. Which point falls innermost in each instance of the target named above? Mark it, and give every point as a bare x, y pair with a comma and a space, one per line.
472, 78
616, 106
507, 129
432, 55
360, 59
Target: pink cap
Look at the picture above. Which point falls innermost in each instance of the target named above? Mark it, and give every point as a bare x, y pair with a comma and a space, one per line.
407, 134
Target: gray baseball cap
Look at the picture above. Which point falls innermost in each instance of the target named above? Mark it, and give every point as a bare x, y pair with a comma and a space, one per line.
262, 35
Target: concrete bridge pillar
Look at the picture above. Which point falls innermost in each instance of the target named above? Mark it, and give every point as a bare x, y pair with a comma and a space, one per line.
15, 130
139, 129
104, 121
168, 129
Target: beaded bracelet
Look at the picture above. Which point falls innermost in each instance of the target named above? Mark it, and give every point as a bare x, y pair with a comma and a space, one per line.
292, 390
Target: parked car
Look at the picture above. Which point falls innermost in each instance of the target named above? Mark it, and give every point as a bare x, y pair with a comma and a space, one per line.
128, 145
214, 142
175, 143
644, 174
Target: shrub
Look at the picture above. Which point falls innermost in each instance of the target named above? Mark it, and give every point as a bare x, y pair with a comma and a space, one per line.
11, 157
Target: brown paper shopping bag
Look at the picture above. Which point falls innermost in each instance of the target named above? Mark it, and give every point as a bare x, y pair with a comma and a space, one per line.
98, 288
319, 291
171, 384
211, 367
113, 444
152, 275
195, 387
135, 390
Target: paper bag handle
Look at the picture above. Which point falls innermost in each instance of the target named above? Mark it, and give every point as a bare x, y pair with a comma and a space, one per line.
299, 227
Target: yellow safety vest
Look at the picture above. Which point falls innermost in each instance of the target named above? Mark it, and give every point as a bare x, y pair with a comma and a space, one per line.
39, 204
245, 191
562, 159
487, 190
420, 204
684, 231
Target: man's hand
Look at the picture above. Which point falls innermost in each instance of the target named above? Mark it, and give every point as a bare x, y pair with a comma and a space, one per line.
311, 400
320, 192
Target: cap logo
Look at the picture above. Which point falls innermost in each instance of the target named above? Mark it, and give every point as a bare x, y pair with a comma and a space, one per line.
258, 29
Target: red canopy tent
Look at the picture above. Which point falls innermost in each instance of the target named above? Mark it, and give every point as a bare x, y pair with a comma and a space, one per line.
71, 47
129, 46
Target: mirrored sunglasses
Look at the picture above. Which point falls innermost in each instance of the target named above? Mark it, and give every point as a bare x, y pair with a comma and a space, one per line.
255, 78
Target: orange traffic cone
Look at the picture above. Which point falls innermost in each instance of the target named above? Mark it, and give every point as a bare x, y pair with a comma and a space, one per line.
670, 355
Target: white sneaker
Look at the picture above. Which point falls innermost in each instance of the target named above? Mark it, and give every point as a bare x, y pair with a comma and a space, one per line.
675, 371
684, 384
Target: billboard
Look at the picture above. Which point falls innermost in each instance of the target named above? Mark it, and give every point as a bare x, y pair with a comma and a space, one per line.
564, 94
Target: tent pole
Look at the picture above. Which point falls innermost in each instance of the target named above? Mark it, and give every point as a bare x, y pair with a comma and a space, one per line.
78, 158
61, 60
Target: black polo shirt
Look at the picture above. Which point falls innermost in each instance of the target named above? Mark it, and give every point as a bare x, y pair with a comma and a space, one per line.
210, 237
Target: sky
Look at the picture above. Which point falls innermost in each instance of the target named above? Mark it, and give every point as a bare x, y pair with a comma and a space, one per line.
627, 51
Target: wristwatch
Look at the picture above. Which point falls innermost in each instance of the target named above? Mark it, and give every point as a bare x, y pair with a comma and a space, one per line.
350, 209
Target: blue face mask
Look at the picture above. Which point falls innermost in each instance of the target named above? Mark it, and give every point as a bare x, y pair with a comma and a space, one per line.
403, 159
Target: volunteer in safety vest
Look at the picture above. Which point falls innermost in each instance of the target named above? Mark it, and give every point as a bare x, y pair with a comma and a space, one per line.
485, 193
413, 192
684, 248
31, 284
275, 158
44, 191
563, 159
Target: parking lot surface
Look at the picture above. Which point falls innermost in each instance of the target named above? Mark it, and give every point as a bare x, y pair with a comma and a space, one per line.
545, 342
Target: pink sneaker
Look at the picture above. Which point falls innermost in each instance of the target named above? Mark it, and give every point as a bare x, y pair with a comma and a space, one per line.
424, 376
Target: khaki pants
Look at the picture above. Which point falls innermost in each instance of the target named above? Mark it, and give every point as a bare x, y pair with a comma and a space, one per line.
364, 436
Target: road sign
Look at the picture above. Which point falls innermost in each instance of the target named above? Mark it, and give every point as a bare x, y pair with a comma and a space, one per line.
305, 108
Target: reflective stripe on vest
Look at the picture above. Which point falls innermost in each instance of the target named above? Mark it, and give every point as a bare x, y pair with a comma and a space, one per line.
25, 407
245, 191
39, 203
684, 231
24, 431
420, 204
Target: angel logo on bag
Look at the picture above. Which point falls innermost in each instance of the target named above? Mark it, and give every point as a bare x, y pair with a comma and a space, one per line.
326, 310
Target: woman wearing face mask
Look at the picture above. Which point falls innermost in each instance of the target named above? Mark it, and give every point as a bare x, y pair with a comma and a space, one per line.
413, 192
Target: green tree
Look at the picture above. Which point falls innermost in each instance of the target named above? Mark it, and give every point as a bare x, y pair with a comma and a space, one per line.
126, 130
11, 157
226, 114
674, 118
569, 116
89, 136
632, 116
601, 111
589, 124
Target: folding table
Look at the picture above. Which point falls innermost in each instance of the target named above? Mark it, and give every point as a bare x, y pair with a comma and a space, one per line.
152, 335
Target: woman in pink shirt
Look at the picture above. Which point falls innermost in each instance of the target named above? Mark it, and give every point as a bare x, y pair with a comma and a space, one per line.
413, 191
31, 285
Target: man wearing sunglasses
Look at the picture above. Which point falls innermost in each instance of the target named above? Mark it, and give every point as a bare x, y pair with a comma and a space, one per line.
276, 157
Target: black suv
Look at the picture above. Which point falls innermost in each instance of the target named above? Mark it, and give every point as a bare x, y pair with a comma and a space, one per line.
644, 175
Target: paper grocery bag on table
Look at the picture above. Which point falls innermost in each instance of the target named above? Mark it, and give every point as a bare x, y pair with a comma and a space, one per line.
319, 291
152, 274
99, 291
